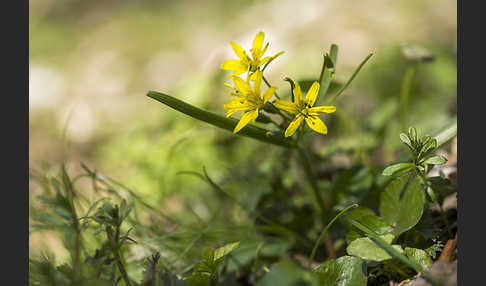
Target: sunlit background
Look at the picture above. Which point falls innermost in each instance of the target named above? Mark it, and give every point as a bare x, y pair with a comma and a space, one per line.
92, 63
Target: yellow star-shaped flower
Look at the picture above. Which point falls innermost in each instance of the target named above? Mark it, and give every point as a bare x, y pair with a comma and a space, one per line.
304, 110
245, 63
247, 100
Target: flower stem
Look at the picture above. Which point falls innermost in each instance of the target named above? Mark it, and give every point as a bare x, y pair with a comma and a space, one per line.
305, 161
269, 85
113, 240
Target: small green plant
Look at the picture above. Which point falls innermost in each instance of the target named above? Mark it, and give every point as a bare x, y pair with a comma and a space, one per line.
287, 217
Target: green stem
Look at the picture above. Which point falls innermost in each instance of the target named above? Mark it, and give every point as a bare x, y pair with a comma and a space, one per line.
113, 240
324, 231
269, 85
304, 158
404, 95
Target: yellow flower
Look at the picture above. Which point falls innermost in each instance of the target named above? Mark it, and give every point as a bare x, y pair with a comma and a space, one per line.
245, 63
247, 100
304, 110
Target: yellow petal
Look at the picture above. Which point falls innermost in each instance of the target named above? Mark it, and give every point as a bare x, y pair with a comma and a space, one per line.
294, 125
286, 106
242, 86
245, 119
257, 45
232, 65
299, 100
316, 124
311, 96
268, 94
321, 109
239, 51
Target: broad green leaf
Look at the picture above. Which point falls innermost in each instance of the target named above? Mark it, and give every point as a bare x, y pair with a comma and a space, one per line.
419, 256
287, 273
436, 160
229, 124
394, 252
368, 218
398, 169
344, 271
402, 203
367, 249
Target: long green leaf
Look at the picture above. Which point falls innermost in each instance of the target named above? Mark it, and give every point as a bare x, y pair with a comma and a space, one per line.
327, 72
446, 134
229, 124
395, 253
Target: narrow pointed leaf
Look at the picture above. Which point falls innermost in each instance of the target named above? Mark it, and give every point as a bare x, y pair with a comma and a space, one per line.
229, 124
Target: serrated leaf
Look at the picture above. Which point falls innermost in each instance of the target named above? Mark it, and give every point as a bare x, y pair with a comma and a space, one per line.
436, 160
367, 249
402, 203
419, 256
398, 169
344, 271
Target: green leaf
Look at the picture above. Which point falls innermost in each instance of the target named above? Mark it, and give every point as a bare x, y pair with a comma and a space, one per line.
402, 203
367, 249
405, 139
419, 256
398, 169
436, 160
344, 271
368, 218
447, 133
327, 72
225, 250
229, 124
287, 273
394, 252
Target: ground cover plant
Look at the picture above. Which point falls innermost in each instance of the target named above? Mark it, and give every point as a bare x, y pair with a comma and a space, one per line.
290, 216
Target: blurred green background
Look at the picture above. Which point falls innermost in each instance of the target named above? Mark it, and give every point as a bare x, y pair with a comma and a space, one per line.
92, 62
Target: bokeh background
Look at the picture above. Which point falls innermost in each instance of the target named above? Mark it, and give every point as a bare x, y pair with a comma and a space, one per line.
92, 62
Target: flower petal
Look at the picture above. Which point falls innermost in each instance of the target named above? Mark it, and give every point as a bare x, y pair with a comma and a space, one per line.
299, 99
321, 109
316, 124
311, 96
286, 105
239, 51
242, 86
294, 125
233, 65
256, 50
245, 119
269, 93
